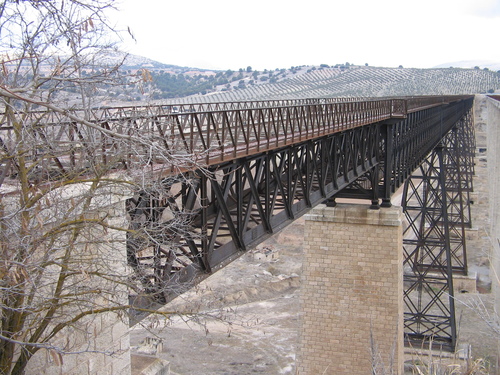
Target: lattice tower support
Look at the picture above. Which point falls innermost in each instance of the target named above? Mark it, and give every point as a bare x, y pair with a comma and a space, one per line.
428, 278
436, 205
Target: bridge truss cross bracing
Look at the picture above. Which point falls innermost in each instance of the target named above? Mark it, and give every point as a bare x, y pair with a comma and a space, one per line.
235, 205
239, 203
256, 166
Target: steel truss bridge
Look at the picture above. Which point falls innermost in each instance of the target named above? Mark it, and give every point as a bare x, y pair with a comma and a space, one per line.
257, 166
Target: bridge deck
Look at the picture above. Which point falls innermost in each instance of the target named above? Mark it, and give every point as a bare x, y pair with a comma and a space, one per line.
200, 135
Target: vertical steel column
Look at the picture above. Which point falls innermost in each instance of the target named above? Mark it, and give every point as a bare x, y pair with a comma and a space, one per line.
388, 163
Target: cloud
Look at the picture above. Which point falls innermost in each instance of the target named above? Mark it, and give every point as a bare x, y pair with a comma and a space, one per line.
278, 34
485, 8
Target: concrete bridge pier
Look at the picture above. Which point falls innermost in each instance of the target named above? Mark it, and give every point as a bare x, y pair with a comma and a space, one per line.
352, 291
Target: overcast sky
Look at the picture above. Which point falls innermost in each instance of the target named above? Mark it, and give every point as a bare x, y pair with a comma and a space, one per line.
269, 34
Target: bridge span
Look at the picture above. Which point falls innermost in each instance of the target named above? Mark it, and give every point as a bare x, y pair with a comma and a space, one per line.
238, 172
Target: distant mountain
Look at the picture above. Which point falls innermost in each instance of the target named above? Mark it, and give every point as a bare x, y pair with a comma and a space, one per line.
470, 64
135, 62
176, 84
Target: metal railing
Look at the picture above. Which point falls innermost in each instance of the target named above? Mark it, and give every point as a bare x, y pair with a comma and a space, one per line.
211, 133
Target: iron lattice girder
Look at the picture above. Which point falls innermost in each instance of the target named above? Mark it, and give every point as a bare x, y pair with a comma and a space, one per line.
459, 149
238, 204
436, 205
408, 142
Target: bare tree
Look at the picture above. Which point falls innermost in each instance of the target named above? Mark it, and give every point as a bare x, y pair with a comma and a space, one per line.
62, 181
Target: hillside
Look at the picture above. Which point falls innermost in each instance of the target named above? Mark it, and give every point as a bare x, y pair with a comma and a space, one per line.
136, 62
342, 81
175, 84
469, 64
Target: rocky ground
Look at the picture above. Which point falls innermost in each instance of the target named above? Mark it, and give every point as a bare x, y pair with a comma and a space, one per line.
246, 315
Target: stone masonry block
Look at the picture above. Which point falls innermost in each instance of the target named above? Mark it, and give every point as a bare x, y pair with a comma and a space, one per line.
361, 289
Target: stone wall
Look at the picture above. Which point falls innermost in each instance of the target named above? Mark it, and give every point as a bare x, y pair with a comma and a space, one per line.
352, 291
493, 144
98, 343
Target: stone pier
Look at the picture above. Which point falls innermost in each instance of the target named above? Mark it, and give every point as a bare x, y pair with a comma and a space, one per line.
352, 291
98, 343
